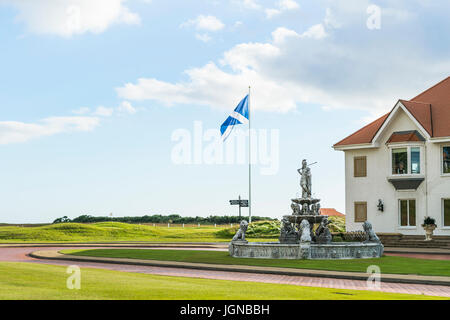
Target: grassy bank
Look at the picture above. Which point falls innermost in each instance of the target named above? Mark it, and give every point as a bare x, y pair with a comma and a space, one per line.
46, 282
387, 264
113, 231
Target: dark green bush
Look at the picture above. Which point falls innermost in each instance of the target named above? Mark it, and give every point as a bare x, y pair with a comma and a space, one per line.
259, 229
157, 218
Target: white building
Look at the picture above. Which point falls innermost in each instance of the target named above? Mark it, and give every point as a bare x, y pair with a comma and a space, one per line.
402, 159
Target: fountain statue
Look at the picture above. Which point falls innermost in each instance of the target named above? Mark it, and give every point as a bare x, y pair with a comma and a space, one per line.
298, 238
305, 180
305, 208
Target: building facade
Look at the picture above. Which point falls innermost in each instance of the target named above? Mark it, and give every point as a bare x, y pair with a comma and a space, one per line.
397, 168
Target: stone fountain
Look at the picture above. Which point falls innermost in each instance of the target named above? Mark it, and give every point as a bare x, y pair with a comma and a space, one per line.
299, 240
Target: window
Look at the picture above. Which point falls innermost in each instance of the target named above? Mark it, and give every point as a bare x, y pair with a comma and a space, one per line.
446, 209
360, 166
445, 159
415, 160
407, 213
402, 157
360, 211
400, 161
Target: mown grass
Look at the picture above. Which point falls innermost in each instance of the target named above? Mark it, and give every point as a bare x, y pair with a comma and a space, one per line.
387, 264
29, 281
111, 231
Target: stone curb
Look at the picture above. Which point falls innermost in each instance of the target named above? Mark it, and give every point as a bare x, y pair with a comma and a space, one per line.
118, 245
430, 251
394, 278
221, 245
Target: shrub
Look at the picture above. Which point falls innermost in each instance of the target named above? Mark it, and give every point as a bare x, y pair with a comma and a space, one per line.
337, 224
354, 236
157, 218
259, 229
428, 221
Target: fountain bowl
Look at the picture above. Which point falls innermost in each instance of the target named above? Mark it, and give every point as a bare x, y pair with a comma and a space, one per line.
312, 219
314, 251
301, 201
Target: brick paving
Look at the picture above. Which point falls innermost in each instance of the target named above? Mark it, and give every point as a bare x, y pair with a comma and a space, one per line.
20, 255
419, 255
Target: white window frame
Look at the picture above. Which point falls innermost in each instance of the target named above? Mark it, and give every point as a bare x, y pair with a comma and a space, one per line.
408, 152
441, 156
400, 214
442, 213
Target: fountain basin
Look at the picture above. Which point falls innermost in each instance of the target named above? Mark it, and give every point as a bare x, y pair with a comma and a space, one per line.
312, 219
331, 251
301, 201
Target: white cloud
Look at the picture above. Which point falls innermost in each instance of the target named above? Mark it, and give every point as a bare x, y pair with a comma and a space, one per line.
208, 23
81, 111
280, 34
17, 132
212, 86
288, 5
126, 107
103, 111
67, 18
270, 13
336, 63
203, 37
282, 6
249, 4
316, 31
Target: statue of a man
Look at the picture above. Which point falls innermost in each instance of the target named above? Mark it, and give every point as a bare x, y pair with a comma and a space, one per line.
305, 180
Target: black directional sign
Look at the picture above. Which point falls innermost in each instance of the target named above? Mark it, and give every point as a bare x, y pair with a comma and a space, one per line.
244, 203
241, 203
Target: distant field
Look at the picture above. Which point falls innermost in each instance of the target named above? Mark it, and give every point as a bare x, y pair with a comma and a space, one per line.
116, 231
30, 281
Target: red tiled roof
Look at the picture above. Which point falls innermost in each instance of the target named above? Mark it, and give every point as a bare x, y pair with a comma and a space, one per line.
331, 212
405, 136
365, 134
422, 112
431, 109
439, 98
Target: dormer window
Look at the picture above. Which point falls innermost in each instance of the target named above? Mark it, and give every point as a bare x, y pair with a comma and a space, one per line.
400, 161
415, 160
406, 160
405, 151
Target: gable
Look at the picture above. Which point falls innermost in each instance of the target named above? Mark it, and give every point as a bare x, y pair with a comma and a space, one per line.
399, 121
429, 111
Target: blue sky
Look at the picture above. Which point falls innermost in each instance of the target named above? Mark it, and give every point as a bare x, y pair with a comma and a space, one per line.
92, 92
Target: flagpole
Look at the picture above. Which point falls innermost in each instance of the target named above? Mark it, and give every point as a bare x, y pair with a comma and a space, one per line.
249, 163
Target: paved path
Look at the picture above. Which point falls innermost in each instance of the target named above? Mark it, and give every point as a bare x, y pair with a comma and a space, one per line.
20, 255
419, 255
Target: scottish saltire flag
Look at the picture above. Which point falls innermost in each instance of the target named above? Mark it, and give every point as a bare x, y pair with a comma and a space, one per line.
238, 116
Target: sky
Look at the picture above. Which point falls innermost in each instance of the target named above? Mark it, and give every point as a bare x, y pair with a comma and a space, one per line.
114, 106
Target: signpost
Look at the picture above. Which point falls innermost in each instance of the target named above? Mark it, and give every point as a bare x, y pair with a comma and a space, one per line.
240, 203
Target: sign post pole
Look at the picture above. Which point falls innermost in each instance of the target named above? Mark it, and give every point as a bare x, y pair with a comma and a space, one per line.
239, 206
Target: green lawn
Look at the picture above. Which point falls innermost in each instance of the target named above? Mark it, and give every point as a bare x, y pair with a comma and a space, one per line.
111, 231
33, 281
387, 264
